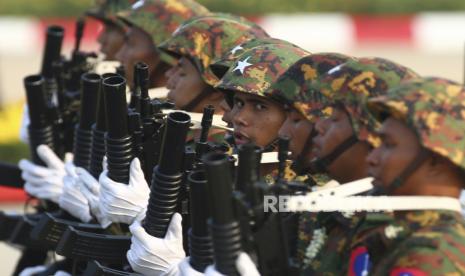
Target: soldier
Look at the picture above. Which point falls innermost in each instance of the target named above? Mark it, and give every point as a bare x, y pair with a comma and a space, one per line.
190, 79
420, 157
220, 66
111, 37
247, 80
196, 44
333, 103
292, 90
149, 23
286, 54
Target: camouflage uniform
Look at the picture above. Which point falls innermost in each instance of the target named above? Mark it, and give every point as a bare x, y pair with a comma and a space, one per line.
291, 89
106, 10
206, 38
420, 242
351, 84
256, 69
348, 85
215, 136
221, 65
160, 18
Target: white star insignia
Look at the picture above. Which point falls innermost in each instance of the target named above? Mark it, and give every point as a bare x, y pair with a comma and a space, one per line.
241, 65
235, 49
138, 4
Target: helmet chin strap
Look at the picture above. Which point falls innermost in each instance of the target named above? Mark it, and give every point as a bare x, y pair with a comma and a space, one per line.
320, 165
198, 99
403, 176
298, 166
272, 146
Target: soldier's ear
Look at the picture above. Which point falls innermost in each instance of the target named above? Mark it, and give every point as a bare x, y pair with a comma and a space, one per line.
437, 165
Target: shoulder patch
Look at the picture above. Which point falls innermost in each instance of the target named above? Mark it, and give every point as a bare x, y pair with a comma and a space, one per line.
359, 264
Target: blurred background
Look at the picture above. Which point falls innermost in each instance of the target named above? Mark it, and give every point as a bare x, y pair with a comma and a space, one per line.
425, 35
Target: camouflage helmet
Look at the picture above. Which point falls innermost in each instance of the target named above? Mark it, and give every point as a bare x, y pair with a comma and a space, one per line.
256, 70
296, 87
220, 66
434, 108
106, 10
160, 18
203, 39
349, 85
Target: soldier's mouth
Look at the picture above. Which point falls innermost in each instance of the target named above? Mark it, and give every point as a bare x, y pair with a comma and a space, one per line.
241, 138
376, 181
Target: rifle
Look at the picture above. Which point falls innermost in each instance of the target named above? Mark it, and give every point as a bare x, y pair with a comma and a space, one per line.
200, 241
224, 226
90, 83
243, 219
167, 176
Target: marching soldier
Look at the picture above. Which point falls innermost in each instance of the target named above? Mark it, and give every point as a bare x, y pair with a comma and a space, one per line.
420, 160
331, 102
149, 23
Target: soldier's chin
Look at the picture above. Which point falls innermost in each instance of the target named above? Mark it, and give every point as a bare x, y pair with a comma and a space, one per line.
377, 183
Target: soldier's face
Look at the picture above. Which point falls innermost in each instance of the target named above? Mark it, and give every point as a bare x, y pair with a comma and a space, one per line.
298, 129
185, 83
399, 147
256, 119
331, 132
111, 39
227, 112
138, 46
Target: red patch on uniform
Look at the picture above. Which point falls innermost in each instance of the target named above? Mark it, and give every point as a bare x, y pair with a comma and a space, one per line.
359, 264
400, 271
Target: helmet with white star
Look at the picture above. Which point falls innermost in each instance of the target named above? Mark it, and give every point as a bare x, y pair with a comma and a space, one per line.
255, 70
220, 66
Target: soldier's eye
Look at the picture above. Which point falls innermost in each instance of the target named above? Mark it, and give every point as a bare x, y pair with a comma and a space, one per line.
260, 106
238, 103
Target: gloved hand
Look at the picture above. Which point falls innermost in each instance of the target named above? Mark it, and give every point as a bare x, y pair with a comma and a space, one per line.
90, 188
44, 182
244, 266
72, 200
61, 273
23, 132
124, 203
33, 270
185, 268
153, 256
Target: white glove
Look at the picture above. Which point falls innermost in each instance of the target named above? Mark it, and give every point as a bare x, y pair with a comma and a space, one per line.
90, 188
153, 256
244, 266
61, 273
72, 200
211, 271
30, 271
185, 268
44, 182
124, 203
23, 132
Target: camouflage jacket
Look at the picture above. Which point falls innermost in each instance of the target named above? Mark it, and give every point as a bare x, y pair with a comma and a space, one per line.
420, 242
323, 242
323, 239
215, 136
